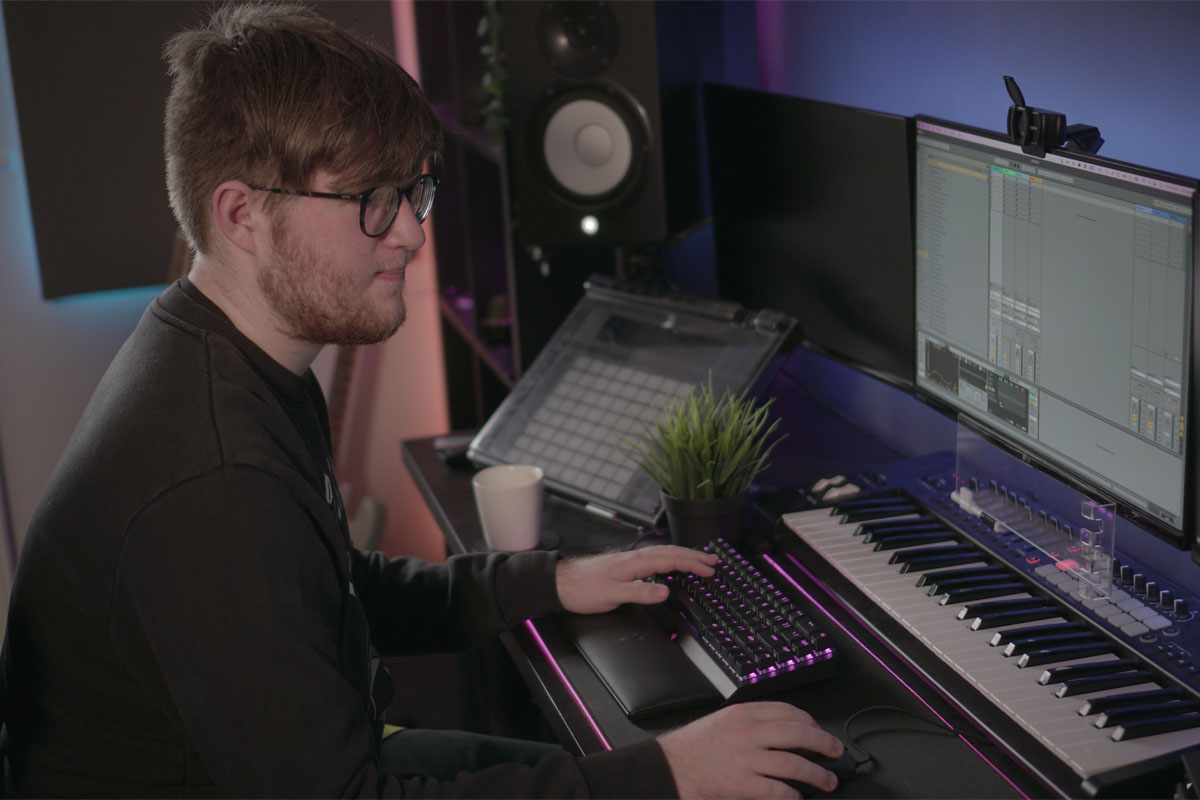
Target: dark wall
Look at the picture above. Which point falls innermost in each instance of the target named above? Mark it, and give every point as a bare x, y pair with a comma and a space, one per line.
1128, 67
90, 86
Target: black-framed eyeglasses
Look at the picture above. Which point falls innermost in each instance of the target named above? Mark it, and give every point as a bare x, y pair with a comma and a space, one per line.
379, 206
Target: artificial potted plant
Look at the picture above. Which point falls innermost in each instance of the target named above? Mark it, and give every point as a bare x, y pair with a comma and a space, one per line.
705, 452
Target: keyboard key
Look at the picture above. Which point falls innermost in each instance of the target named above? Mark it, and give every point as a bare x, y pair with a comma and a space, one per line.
1066, 652
1124, 714
1066, 673
1151, 727
1099, 683
1033, 631
1097, 705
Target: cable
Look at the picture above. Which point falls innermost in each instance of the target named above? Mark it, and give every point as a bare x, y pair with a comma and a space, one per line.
644, 534
941, 729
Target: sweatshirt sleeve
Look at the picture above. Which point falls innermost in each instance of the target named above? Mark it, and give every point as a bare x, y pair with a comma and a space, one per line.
417, 607
636, 771
228, 609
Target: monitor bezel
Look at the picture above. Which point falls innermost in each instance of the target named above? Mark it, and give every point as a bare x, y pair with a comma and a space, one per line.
819, 342
1184, 537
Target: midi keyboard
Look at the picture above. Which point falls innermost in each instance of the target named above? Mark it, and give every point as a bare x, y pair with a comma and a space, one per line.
1109, 685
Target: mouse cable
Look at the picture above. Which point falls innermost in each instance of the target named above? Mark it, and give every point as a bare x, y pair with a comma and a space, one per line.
941, 728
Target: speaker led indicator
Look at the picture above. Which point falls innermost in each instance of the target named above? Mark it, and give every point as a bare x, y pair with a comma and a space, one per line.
589, 225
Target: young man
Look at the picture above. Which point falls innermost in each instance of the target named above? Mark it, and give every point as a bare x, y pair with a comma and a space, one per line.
188, 614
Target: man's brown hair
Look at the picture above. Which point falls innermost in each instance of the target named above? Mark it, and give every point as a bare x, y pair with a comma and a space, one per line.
268, 92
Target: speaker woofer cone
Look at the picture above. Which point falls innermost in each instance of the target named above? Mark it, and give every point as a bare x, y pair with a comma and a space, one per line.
590, 145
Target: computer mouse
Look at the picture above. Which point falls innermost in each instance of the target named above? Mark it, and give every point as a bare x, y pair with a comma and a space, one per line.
844, 767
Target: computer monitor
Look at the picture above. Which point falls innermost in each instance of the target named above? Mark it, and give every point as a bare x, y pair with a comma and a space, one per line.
1055, 302
811, 216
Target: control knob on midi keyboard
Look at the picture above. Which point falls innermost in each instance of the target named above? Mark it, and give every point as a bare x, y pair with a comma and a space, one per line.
1180, 608
1126, 573
1139, 582
1166, 598
1152, 591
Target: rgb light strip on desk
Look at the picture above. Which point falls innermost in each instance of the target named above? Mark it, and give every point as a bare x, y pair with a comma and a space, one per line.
873, 655
571, 689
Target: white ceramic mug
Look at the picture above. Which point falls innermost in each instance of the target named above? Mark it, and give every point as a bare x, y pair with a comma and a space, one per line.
509, 499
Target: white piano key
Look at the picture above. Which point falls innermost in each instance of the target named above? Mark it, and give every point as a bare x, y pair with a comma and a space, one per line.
1052, 720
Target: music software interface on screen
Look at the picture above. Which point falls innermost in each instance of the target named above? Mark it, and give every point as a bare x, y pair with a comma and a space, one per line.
1053, 299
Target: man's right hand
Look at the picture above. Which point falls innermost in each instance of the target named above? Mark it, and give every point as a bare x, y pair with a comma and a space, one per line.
741, 751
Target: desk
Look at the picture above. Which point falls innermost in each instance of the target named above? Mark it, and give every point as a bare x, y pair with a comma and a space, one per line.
911, 759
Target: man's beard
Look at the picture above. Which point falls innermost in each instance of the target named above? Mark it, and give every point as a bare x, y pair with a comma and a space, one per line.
317, 305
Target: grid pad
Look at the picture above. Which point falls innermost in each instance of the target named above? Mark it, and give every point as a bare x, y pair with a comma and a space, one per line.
576, 434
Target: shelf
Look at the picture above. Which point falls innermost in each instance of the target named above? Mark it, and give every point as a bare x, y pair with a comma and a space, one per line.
459, 311
471, 226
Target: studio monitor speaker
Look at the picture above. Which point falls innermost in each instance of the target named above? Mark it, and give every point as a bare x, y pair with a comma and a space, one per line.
586, 143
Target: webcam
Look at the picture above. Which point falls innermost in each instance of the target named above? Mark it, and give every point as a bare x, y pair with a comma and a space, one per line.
1035, 129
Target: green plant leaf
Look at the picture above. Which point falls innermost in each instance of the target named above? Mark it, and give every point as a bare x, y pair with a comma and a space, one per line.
702, 446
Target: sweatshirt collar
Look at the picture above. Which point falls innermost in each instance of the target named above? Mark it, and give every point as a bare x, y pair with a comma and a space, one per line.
185, 301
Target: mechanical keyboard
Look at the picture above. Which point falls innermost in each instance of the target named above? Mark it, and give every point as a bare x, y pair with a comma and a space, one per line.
756, 634
737, 630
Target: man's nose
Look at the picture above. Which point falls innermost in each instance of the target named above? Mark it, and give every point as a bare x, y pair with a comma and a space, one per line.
405, 232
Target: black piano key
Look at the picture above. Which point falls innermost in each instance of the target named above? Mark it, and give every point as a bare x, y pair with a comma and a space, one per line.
963, 594
893, 531
877, 512
1001, 618
1034, 631
1149, 727
972, 610
904, 556
873, 501
1071, 671
942, 586
930, 578
1099, 683
1023, 646
941, 561
912, 540
926, 558
1097, 705
1065, 652
884, 527
1119, 716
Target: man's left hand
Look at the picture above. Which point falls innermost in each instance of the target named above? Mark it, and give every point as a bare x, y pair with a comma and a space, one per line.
595, 584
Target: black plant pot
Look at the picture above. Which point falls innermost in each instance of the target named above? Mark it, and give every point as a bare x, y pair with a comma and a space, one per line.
695, 523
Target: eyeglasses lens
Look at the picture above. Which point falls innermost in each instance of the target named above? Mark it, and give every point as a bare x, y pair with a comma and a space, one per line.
381, 209
420, 197
383, 204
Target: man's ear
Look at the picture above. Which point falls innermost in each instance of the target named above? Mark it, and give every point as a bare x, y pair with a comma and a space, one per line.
238, 215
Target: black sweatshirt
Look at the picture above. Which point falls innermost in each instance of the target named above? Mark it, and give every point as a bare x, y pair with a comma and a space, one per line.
189, 617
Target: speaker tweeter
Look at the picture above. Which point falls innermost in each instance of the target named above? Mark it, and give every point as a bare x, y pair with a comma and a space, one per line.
586, 144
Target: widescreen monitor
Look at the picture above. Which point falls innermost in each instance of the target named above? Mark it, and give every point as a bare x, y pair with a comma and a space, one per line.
1055, 301
811, 216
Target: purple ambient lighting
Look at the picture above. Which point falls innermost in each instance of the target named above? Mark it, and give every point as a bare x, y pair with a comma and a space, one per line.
558, 671
871, 653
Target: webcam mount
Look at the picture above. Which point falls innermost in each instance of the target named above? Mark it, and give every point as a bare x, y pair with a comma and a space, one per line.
1035, 129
